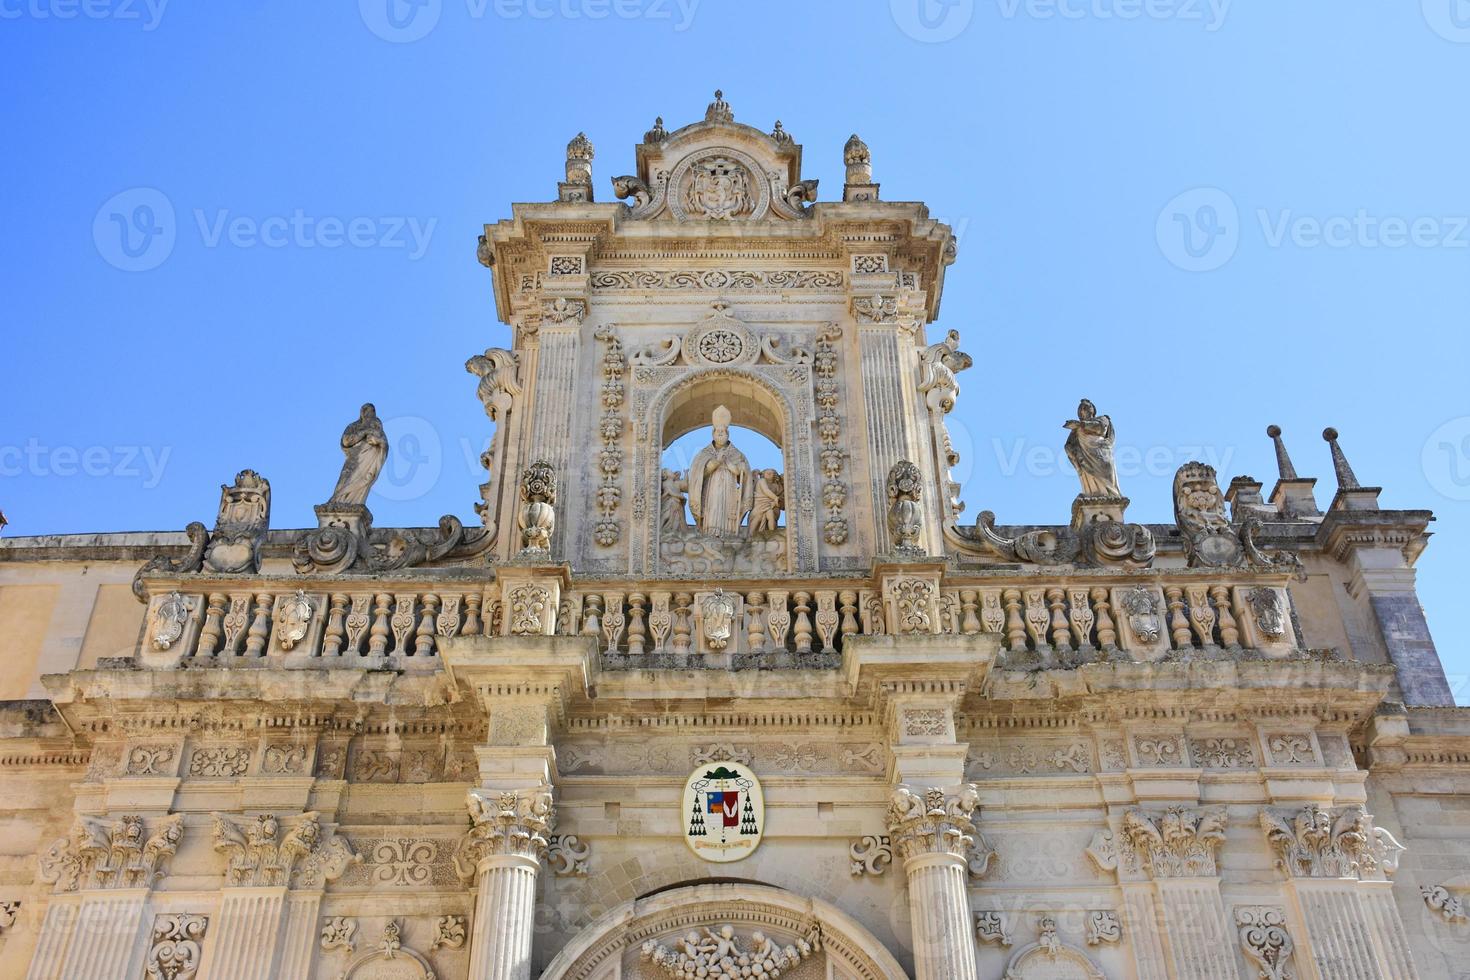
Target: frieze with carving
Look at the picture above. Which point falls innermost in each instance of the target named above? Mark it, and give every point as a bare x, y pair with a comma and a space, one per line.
718, 953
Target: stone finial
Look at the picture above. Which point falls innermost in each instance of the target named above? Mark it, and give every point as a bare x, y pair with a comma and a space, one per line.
579, 160
780, 135
859, 161
538, 508
719, 110
1346, 479
657, 134
1283, 460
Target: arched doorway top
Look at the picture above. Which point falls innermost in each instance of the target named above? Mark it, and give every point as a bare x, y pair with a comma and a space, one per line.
753, 402
593, 954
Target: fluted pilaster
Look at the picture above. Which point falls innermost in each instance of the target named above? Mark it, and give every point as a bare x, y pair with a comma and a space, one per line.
503, 852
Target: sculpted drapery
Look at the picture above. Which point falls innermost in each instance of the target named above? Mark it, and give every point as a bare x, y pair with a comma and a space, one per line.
1090, 449
720, 486
366, 447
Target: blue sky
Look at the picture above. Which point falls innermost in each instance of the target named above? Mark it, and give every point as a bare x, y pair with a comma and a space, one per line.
301, 185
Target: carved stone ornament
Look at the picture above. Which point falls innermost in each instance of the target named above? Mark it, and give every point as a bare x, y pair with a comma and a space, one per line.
390, 958
1179, 842
993, 928
169, 617
9, 910
260, 853
1102, 851
1266, 608
1314, 842
566, 855
1265, 941
175, 951
103, 853
512, 822
192, 561
1141, 608
293, 619
1449, 907
905, 510
527, 605
717, 613
718, 953
239, 530
871, 855
1049, 958
1039, 547
339, 932
450, 932
1210, 539
1104, 928
933, 821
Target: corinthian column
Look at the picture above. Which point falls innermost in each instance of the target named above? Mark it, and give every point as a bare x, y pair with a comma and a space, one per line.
934, 834
503, 852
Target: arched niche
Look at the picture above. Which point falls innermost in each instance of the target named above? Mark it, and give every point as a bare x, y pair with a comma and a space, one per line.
617, 944
776, 402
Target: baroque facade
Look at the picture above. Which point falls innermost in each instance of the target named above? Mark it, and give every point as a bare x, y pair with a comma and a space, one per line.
654, 720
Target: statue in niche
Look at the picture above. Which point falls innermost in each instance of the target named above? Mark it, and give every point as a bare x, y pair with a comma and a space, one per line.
1090, 450
672, 500
720, 487
768, 501
365, 445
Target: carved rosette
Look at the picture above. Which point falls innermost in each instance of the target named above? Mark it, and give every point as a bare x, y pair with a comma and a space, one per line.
933, 821
510, 823
1314, 842
1180, 842
261, 852
111, 853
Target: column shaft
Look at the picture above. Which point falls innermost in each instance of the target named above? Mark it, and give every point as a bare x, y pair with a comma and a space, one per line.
505, 918
940, 918
246, 947
56, 935
109, 925
1198, 935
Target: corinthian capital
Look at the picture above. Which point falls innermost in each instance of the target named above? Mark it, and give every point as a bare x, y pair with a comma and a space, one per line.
1320, 843
1180, 842
937, 821
514, 822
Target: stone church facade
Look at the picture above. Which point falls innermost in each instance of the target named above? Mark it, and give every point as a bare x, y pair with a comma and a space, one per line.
661, 721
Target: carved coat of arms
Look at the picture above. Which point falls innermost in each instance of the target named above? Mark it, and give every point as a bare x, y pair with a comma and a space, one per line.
718, 188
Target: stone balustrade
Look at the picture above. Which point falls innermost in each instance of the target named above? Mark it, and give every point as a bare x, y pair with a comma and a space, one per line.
1053, 623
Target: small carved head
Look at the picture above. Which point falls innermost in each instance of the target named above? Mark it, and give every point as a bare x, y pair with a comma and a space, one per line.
1086, 410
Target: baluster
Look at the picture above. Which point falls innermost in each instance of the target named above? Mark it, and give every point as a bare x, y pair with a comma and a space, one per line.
803, 603
358, 618
378, 635
827, 620
592, 616
209, 636
1015, 625
1178, 621
424, 642
755, 626
636, 630
1082, 618
1107, 632
992, 616
870, 607
234, 623
260, 626
778, 620
660, 622
1061, 635
613, 621
403, 622
683, 622
472, 624
848, 600
1201, 616
1229, 632
949, 607
336, 626
1038, 617
447, 623
969, 622
569, 615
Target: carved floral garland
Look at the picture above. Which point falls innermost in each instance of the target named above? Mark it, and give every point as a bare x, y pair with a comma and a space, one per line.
610, 461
